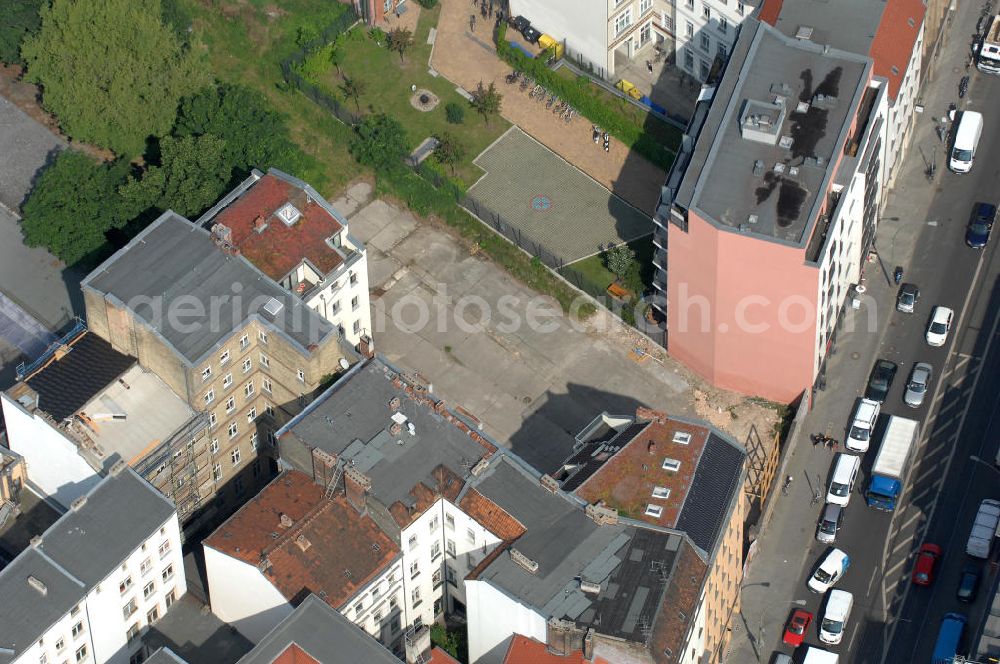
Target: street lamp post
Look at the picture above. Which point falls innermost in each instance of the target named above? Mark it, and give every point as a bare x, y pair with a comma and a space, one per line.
763, 614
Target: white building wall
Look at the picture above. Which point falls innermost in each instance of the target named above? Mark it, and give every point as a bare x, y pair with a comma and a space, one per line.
61, 630
582, 25
53, 462
334, 301
692, 651
243, 597
902, 114
372, 606
493, 617
699, 34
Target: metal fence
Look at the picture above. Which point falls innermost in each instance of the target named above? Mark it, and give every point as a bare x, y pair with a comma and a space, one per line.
292, 77
498, 223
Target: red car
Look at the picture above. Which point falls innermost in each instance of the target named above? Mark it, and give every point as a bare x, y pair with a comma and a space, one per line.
927, 558
795, 630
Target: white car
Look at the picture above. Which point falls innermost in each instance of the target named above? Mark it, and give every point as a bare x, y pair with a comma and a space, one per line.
835, 617
862, 425
830, 569
937, 331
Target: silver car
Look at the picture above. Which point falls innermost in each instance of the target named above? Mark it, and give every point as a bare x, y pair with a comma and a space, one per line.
829, 523
918, 384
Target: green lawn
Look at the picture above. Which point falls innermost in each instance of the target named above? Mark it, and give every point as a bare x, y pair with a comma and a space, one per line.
662, 132
599, 277
387, 89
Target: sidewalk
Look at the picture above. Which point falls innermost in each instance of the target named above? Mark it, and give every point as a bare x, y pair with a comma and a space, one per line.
786, 541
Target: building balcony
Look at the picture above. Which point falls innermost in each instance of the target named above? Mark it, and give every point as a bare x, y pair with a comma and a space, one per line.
660, 237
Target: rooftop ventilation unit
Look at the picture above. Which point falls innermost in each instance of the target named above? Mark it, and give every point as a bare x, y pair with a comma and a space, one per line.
273, 307
758, 167
779, 168
752, 219
793, 171
804, 32
289, 214
523, 561
590, 587
38, 585
786, 142
760, 121
802, 107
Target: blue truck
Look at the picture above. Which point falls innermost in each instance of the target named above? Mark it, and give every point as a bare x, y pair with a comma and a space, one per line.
892, 463
949, 636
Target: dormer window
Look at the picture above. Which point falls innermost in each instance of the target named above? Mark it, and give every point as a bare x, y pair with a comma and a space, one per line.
289, 214
682, 437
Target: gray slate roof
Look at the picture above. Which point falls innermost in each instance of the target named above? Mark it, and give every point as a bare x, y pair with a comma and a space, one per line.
77, 552
849, 25
720, 182
716, 485
352, 419
175, 262
624, 559
164, 656
324, 634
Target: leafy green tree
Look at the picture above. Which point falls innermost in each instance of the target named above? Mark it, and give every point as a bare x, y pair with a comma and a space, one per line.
400, 41
380, 142
620, 259
487, 101
353, 88
73, 204
454, 113
110, 70
336, 57
193, 175
449, 151
255, 136
20, 19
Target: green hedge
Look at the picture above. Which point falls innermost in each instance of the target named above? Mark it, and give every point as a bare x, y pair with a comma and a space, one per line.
629, 131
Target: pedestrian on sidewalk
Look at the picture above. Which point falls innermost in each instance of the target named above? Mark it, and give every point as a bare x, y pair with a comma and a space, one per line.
649, 66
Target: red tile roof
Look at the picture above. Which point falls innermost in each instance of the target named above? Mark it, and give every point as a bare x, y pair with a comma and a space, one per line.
770, 11
523, 650
680, 601
491, 516
323, 546
894, 41
295, 655
626, 481
439, 656
280, 248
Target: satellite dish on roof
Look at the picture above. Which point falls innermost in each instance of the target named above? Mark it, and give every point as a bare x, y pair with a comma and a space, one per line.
344, 364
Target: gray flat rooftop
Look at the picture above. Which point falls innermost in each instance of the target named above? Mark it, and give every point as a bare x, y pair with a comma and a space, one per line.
625, 560
798, 95
353, 420
76, 553
848, 25
322, 633
152, 414
176, 265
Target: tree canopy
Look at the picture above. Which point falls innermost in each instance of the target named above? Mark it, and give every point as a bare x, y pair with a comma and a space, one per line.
487, 101
192, 176
254, 135
380, 142
73, 204
110, 70
20, 19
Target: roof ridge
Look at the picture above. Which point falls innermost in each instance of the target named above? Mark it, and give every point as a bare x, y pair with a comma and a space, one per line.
296, 528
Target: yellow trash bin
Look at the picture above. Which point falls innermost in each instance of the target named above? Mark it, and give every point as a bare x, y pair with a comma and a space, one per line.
629, 89
548, 42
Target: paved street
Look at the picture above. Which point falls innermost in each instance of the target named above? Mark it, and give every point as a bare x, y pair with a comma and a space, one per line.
922, 229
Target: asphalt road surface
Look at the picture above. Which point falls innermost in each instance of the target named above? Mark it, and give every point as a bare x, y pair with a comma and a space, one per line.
893, 621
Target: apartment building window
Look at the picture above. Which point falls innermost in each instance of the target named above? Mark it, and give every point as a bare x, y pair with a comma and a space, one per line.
247, 365
235, 456
449, 521
212, 420
81, 653
238, 487
153, 615
688, 60
359, 609
214, 446
124, 586
450, 575
357, 326
723, 51
265, 361
706, 12
689, 30
164, 550
168, 573
706, 43
354, 279
435, 550
148, 589
645, 6
168, 599
393, 603
76, 609
77, 629
44, 659
262, 336
723, 25
248, 389
470, 535
217, 472
741, 8
689, 4
206, 373
355, 303
269, 409
705, 68
60, 643
645, 34
335, 307
133, 631
413, 542
209, 397
265, 384
145, 566
415, 597
224, 357
227, 381
252, 414
272, 440
667, 21
256, 467
253, 440
230, 405
623, 21
435, 523
436, 579
127, 611
244, 341
414, 570
302, 375
449, 546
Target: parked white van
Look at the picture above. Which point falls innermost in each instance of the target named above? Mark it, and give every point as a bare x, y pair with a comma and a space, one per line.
845, 472
838, 610
862, 425
967, 134
829, 571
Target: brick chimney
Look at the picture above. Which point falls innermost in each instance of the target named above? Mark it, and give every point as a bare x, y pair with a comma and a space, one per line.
357, 485
323, 463
651, 447
366, 347
259, 224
